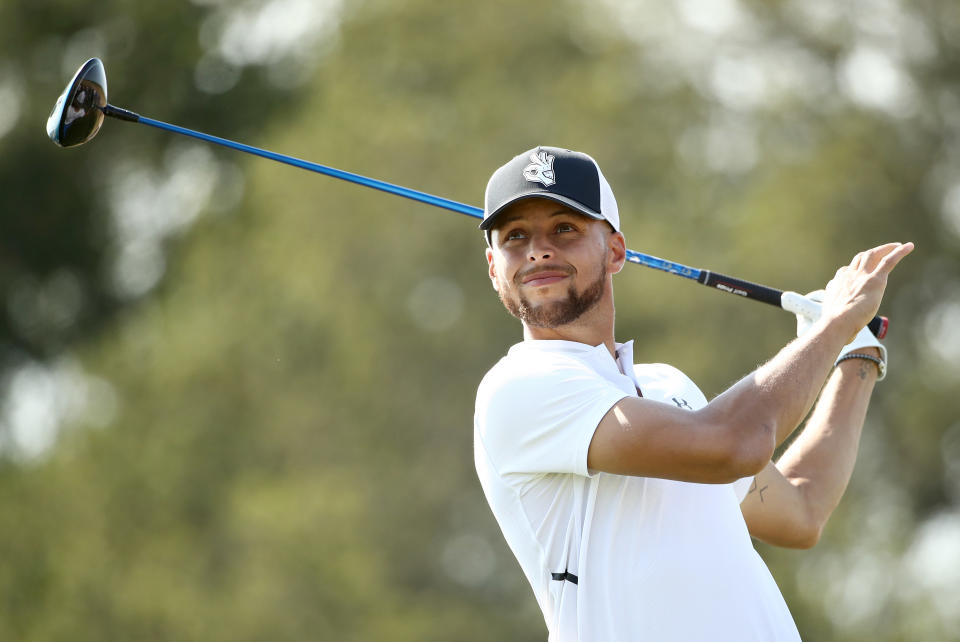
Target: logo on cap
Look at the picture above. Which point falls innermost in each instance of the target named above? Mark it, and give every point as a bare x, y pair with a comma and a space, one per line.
541, 169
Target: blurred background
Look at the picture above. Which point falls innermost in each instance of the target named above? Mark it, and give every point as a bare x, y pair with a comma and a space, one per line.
236, 398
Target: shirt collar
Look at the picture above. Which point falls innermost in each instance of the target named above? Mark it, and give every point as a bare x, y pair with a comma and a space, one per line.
599, 356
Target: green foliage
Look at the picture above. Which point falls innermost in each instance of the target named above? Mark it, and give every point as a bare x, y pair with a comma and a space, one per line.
290, 454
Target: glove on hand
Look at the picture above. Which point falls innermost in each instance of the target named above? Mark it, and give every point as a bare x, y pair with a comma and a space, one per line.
808, 313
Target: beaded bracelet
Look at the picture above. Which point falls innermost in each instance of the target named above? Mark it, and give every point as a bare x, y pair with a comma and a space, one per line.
880, 363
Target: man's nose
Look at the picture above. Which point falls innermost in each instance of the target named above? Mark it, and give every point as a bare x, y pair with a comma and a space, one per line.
540, 248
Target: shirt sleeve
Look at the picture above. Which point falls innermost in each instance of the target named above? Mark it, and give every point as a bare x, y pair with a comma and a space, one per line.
665, 383
542, 419
741, 487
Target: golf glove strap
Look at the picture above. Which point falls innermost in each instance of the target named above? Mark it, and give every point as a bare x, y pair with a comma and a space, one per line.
807, 309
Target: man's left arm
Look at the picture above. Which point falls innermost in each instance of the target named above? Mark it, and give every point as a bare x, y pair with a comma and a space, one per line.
790, 501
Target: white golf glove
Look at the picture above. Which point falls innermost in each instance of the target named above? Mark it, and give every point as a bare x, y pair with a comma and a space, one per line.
807, 309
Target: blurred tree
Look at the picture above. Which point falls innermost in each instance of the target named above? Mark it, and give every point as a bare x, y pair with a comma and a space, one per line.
70, 246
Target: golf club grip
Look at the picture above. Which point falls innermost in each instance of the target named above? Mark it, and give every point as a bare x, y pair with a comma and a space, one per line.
878, 325
740, 287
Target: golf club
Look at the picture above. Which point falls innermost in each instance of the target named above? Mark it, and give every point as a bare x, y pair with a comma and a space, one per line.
79, 112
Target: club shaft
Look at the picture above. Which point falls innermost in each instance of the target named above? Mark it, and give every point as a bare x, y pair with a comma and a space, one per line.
746, 289
390, 188
445, 203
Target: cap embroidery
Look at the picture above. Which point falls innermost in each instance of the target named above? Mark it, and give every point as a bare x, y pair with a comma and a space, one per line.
541, 169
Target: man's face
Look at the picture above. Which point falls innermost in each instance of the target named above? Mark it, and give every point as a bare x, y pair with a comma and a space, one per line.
549, 263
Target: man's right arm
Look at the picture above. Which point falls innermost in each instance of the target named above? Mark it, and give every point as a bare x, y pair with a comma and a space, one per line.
734, 435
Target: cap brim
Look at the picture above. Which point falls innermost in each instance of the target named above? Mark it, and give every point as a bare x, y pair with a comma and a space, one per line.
490, 220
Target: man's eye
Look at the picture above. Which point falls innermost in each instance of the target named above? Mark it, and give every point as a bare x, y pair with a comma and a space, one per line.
513, 234
565, 227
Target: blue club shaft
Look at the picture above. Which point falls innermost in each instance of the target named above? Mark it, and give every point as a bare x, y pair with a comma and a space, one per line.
437, 201
399, 190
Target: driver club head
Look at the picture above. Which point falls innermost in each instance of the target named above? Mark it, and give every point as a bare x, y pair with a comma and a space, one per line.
78, 114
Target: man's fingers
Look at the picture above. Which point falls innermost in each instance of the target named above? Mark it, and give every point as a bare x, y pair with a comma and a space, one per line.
868, 259
860, 285
889, 260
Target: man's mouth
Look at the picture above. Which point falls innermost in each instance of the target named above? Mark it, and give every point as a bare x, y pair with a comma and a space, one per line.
544, 277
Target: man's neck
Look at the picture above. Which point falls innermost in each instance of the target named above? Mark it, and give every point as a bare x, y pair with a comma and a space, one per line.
592, 332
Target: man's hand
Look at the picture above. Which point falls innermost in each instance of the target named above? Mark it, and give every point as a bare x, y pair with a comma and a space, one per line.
853, 295
807, 315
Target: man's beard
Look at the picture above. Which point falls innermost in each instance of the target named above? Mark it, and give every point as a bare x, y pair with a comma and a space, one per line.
557, 313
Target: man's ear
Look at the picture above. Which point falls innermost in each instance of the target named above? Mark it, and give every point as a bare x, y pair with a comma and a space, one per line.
618, 252
491, 268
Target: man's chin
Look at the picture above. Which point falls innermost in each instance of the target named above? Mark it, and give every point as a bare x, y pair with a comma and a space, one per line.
547, 319
550, 314
566, 306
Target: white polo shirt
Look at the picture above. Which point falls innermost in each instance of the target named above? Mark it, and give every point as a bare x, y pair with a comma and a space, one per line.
611, 557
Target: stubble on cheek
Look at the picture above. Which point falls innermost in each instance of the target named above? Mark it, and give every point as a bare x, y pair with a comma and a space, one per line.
512, 305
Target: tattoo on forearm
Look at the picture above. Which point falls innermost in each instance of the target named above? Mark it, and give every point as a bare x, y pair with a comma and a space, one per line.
863, 372
757, 488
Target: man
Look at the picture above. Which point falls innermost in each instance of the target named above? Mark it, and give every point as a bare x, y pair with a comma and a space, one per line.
628, 500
